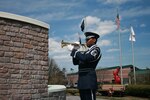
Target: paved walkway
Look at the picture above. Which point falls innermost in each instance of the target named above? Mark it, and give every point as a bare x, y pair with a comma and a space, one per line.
78, 98
72, 98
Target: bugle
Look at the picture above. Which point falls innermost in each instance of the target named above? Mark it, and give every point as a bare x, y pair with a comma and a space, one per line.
63, 44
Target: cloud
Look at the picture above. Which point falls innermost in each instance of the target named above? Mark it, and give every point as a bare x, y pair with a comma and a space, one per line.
92, 24
95, 24
62, 57
48, 16
109, 58
104, 43
56, 51
117, 2
91, 20
112, 50
44, 10
73, 37
53, 44
136, 12
142, 25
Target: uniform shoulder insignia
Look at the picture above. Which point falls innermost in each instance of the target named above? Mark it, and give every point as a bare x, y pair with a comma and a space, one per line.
94, 53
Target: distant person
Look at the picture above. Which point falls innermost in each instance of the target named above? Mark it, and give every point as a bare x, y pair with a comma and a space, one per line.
87, 61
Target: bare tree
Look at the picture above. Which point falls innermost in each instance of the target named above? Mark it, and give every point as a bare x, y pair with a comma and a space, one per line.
56, 76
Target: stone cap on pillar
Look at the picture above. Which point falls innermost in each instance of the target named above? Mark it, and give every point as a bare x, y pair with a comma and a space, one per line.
56, 88
23, 19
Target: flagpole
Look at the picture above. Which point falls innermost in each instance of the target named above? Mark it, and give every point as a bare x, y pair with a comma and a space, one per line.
133, 62
132, 40
120, 57
85, 24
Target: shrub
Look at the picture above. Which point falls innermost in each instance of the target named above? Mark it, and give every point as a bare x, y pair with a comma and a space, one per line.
73, 91
138, 90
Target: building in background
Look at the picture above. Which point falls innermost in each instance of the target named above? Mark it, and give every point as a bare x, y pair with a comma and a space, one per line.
105, 75
142, 76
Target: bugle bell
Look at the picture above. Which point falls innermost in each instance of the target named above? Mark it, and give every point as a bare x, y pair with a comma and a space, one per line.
63, 44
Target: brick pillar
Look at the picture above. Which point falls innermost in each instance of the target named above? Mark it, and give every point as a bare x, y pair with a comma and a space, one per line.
23, 60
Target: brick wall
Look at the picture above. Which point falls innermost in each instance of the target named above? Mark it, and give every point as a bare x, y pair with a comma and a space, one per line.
23, 61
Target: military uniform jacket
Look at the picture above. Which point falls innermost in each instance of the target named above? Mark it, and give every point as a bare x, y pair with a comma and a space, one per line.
87, 62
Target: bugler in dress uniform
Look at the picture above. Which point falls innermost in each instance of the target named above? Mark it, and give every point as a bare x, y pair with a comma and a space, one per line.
87, 62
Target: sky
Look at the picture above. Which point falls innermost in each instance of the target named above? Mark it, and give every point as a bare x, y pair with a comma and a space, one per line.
65, 16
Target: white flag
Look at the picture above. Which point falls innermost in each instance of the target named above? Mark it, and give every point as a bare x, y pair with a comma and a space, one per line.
132, 35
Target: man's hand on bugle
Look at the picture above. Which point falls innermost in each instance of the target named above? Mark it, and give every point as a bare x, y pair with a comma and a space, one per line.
76, 46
